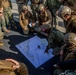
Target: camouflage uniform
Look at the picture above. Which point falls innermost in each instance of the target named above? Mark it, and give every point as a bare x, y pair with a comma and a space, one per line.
43, 2
45, 17
71, 24
21, 71
55, 41
69, 55
44, 20
20, 4
8, 14
34, 7
70, 19
53, 6
25, 19
2, 24
69, 51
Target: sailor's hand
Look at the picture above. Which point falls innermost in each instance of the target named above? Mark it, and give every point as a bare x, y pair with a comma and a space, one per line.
16, 63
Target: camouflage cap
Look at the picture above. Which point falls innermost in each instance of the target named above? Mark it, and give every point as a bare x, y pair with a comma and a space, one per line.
24, 7
70, 38
41, 7
36, 1
65, 11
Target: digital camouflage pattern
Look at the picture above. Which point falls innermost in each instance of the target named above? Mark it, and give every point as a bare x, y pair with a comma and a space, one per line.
66, 72
55, 41
65, 11
8, 14
69, 38
44, 21
69, 50
24, 20
2, 27
71, 21
71, 24
53, 6
34, 7
20, 4
2, 24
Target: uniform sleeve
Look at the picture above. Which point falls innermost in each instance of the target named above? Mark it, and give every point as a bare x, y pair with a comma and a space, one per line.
74, 22
31, 17
3, 21
72, 26
10, 3
20, 21
23, 69
46, 3
49, 21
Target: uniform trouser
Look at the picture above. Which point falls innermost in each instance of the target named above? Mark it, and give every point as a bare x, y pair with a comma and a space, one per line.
26, 31
54, 22
3, 24
55, 38
45, 26
40, 29
9, 16
1, 35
